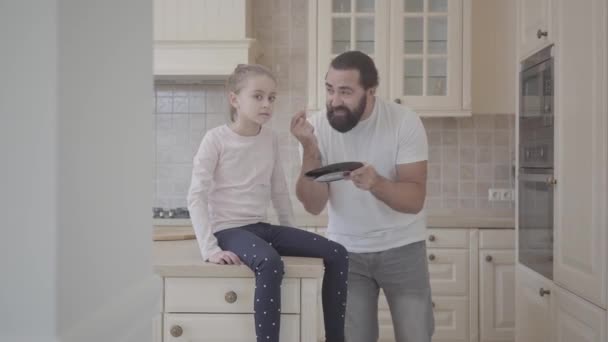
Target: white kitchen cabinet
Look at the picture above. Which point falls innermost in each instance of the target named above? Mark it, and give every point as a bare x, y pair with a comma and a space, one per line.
534, 25
497, 286
533, 305
577, 320
203, 38
493, 65
581, 153
208, 302
422, 49
472, 277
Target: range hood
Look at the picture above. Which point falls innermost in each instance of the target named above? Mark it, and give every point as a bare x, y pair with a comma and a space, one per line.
201, 39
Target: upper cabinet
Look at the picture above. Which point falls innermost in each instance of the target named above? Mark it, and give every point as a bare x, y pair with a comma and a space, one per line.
205, 38
534, 25
493, 60
421, 49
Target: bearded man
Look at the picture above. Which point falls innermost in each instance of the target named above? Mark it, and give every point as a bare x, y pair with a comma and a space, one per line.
377, 211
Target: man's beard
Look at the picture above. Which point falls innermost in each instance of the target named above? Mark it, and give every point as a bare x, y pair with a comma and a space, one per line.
348, 119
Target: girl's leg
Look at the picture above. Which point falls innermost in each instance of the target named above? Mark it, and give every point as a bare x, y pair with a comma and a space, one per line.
296, 242
268, 267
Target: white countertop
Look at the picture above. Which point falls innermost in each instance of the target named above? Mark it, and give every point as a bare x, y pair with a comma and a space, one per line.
183, 259
433, 221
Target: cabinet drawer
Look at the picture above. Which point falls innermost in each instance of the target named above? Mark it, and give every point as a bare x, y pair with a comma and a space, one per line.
449, 271
447, 238
211, 295
497, 238
223, 327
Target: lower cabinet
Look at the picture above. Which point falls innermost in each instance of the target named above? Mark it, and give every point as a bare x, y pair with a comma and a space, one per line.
496, 286
197, 309
577, 320
472, 274
548, 313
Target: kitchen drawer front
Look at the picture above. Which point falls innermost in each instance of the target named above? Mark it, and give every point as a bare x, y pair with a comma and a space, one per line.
447, 238
212, 295
449, 271
497, 238
223, 327
451, 319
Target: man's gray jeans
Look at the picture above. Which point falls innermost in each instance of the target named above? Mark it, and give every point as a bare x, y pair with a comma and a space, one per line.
402, 273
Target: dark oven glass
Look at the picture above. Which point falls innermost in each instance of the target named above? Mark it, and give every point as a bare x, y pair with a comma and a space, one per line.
536, 220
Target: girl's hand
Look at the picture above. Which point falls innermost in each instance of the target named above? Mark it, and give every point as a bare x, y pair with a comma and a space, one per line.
225, 258
303, 130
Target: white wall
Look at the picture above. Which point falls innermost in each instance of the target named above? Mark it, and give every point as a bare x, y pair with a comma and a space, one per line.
76, 142
28, 176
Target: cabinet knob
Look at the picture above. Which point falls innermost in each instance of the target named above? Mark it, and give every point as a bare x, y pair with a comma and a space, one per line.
176, 331
489, 258
432, 238
542, 292
540, 33
432, 257
230, 297
398, 101
551, 181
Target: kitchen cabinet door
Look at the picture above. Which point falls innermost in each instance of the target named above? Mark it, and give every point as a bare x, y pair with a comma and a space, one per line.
577, 320
534, 25
532, 307
342, 25
428, 45
581, 151
497, 291
421, 48
493, 60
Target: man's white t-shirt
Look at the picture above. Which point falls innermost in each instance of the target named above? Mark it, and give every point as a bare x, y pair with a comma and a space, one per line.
392, 135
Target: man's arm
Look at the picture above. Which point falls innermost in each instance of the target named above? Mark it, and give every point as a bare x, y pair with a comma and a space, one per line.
313, 195
405, 195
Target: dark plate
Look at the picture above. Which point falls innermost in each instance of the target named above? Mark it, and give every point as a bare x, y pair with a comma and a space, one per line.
332, 172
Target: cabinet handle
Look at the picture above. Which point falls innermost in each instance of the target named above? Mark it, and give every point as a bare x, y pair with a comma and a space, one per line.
230, 297
398, 101
542, 292
540, 33
433, 303
551, 181
432, 257
432, 238
176, 331
489, 258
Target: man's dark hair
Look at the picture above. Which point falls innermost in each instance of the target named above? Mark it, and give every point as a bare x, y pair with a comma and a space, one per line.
357, 60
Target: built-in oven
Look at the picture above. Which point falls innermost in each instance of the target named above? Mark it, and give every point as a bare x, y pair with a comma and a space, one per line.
535, 175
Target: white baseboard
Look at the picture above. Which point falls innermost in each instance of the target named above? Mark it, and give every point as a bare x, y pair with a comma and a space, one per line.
122, 318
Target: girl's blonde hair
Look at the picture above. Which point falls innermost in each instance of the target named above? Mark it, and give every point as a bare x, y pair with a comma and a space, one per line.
242, 73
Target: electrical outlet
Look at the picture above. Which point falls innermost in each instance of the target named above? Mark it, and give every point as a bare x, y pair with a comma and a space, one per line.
500, 194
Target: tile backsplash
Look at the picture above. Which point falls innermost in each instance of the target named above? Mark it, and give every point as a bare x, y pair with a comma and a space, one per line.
467, 156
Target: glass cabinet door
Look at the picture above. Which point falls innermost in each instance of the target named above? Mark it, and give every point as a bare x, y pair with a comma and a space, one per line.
426, 54
346, 25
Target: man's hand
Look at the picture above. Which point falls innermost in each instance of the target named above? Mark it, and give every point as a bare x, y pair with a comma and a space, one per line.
364, 178
303, 130
225, 258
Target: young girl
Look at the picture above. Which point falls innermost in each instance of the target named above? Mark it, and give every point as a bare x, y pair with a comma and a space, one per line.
237, 172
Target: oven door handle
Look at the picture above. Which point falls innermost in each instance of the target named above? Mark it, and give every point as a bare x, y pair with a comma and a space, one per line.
538, 178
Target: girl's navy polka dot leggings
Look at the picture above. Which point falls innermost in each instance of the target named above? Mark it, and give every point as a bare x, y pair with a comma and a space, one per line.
261, 245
